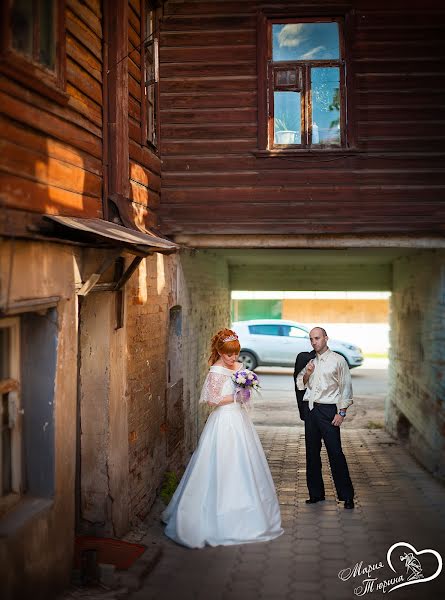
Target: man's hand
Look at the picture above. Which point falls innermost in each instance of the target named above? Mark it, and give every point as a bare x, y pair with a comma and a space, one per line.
309, 370
338, 420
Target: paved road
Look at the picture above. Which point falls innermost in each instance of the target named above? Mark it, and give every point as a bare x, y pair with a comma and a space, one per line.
277, 404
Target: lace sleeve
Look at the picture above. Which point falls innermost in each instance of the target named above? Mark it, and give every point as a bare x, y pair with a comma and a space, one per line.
212, 390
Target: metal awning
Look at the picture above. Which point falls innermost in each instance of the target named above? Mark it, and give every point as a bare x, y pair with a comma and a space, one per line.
105, 234
116, 235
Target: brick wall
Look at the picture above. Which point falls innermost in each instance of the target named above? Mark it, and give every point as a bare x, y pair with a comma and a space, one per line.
416, 402
198, 283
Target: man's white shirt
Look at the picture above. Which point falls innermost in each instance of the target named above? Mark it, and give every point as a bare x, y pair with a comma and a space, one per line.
330, 383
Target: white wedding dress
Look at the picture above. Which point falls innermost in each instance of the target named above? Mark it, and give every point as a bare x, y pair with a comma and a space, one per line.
226, 495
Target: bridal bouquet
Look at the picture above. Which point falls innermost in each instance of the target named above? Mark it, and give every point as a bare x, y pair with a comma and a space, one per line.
246, 381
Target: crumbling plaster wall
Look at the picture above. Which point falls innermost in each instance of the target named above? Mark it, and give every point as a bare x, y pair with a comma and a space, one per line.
415, 411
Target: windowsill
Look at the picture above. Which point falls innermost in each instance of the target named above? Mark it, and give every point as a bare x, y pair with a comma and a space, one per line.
27, 508
34, 76
303, 152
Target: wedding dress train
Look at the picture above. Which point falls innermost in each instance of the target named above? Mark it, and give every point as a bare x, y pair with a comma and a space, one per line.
226, 495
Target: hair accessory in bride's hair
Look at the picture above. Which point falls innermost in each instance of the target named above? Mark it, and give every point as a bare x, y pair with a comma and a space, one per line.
231, 338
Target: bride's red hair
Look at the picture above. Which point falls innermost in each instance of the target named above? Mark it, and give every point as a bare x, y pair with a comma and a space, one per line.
220, 347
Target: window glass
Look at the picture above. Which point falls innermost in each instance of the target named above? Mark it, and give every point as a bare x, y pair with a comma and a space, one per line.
47, 53
325, 84
287, 117
305, 41
265, 329
22, 26
295, 332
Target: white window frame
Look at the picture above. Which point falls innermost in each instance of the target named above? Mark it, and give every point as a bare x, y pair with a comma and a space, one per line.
12, 385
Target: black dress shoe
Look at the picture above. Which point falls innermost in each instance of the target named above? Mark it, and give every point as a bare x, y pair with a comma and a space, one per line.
314, 500
349, 503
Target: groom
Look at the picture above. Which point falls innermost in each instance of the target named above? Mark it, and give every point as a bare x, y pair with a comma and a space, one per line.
327, 384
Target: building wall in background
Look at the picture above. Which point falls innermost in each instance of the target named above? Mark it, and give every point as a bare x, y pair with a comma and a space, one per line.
415, 410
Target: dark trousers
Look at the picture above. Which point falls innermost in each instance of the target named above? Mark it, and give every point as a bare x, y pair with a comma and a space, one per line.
318, 426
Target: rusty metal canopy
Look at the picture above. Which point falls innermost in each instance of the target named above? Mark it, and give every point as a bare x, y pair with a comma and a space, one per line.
108, 231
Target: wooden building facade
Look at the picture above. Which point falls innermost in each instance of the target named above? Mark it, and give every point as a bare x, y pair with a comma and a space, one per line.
225, 171
261, 118
85, 281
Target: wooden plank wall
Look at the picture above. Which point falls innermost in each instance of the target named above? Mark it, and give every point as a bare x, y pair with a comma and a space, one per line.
145, 166
393, 182
51, 155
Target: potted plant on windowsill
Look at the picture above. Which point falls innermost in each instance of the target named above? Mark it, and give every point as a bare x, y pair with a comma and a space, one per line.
283, 133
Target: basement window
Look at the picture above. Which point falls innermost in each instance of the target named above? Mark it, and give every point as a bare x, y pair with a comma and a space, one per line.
305, 84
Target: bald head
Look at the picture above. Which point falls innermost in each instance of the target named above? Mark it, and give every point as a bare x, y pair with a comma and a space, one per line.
323, 331
319, 339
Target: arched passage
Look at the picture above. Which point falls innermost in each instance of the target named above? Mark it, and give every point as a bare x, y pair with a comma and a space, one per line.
415, 411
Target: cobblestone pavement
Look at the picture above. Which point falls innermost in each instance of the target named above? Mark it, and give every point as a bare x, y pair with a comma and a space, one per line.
396, 500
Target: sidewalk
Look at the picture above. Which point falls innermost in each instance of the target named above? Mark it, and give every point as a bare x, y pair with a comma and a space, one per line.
396, 500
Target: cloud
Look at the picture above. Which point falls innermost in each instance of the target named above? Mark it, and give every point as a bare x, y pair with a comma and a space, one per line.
313, 52
292, 35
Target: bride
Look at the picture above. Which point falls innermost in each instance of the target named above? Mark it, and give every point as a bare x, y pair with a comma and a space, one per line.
226, 495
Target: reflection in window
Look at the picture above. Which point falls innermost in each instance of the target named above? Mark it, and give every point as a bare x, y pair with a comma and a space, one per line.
287, 117
305, 41
325, 87
305, 77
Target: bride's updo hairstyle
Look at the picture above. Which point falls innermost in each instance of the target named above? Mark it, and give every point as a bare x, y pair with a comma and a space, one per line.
224, 342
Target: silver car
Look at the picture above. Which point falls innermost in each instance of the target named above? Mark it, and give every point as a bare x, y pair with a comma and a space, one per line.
277, 342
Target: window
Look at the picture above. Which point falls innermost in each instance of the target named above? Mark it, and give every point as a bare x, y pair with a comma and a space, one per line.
151, 73
305, 80
295, 332
10, 432
264, 329
28, 358
32, 45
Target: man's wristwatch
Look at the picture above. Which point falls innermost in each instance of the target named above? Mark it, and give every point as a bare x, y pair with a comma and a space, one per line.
342, 412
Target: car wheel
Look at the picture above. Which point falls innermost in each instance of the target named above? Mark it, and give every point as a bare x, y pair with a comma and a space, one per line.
248, 359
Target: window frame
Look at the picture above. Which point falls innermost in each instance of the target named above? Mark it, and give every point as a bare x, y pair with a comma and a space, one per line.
12, 498
266, 18
26, 70
150, 138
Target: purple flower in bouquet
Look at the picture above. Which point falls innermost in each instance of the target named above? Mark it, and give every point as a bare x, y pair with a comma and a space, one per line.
245, 381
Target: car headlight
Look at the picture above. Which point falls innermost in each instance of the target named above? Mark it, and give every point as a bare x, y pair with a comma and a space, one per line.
353, 348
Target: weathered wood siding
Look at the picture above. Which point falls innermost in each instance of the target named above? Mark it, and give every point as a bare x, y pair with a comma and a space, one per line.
50, 154
391, 179
145, 166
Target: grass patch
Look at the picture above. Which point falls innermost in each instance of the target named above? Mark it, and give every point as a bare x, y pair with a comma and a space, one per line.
169, 485
374, 425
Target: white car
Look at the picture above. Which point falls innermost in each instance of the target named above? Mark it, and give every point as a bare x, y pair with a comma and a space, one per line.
277, 342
